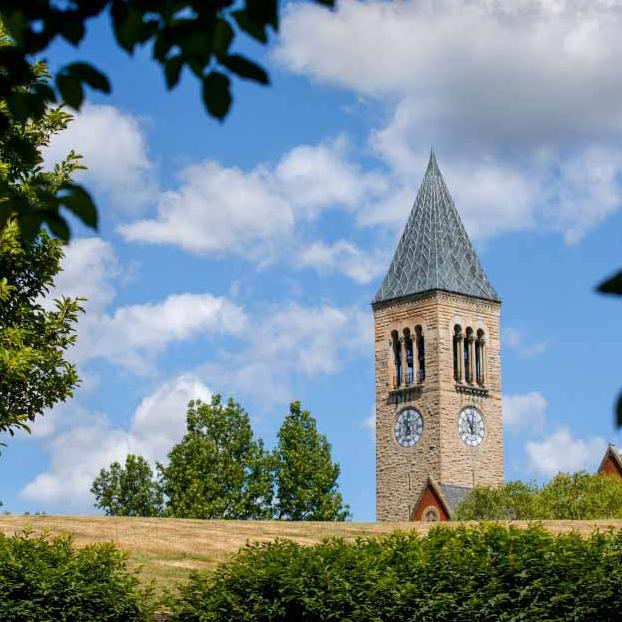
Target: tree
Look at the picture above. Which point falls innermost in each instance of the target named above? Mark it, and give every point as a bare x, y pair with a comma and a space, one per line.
218, 470
29, 194
576, 496
306, 477
34, 374
128, 491
196, 35
513, 501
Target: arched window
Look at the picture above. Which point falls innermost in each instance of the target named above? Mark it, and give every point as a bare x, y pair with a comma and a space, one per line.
397, 359
468, 356
410, 360
480, 354
430, 515
420, 353
457, 353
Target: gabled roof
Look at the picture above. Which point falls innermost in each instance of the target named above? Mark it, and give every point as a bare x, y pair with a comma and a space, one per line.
449, 496
611, 454
453, 495
434, 252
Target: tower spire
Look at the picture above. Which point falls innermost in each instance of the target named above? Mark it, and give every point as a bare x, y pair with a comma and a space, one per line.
434, 252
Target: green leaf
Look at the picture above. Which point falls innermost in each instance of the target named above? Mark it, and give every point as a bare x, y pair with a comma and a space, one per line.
172, 70
216, 94
70, 90
58, 226
612, 285
79, 201
87, 73
222, 38
72, 30
619, 411
246, 68
249, 26
128, 25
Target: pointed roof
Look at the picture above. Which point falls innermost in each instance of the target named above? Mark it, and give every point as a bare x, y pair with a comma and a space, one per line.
434, 252
613, 456
448, 495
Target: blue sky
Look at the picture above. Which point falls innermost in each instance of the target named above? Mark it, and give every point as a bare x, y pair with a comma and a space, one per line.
241, 257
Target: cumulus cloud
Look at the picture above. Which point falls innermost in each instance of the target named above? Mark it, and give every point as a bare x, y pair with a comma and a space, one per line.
114, 149
315, 177
217, 209
291, 343
132, 336
505, 72
520, 99
89, 268
524, 412
87, 442
345, 258
256, 213
561, 452
518, 340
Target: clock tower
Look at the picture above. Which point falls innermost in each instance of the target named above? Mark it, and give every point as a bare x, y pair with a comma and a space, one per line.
439, 428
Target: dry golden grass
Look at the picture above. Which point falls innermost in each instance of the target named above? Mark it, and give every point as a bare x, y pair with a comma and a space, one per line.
169, 549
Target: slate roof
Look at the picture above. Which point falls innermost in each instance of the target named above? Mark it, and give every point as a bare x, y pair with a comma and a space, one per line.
434, 252
453, 495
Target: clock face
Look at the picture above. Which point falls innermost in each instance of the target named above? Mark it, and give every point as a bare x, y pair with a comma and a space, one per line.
471, 427
408, 427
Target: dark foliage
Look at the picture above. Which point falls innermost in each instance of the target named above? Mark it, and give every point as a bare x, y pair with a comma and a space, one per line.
484, 574
47, 580
613, 285
196, 35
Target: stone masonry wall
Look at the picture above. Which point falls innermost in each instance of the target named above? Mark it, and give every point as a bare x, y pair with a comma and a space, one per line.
401, 473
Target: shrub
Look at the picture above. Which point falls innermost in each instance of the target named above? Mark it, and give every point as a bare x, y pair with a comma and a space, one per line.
50, 580
483, 574
578, 496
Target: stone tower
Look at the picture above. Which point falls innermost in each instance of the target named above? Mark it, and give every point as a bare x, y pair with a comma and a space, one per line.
438, 368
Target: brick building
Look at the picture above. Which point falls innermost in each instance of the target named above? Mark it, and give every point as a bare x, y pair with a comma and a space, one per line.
611, 464
439, 428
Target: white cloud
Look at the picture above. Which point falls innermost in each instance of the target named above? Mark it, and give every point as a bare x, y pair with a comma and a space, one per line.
345, 258
315, 177
256, 213
517, 339
218, 209
562, 452
524, 412
513, 72
114, 148
370, 424
520, 99
292, 343
88, 442
133, 336
89, 267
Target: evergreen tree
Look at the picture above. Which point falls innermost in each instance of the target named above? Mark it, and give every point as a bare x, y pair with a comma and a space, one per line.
128, 491
218, 470
306, 477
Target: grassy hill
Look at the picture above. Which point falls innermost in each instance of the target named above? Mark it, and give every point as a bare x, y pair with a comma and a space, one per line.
169, 549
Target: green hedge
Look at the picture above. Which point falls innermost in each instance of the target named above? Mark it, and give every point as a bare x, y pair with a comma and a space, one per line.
576, 496
488, 573
50, 580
